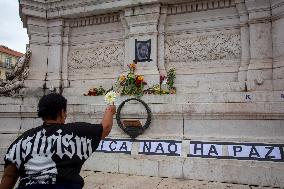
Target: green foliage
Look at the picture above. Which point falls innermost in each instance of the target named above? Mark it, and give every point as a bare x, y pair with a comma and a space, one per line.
96, 91
131, 84
171, 74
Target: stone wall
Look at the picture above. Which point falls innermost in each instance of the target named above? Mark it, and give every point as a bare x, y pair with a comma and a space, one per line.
229, 60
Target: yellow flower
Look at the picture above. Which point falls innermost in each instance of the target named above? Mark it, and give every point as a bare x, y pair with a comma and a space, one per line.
110, 97
140, 78
122, 78
132, 66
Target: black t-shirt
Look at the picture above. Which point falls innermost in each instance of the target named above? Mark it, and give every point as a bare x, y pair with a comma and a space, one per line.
52, 154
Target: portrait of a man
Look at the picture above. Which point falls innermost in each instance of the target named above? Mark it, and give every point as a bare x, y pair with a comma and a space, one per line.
143, 51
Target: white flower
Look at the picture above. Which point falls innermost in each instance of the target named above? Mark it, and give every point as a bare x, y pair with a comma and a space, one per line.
110, 97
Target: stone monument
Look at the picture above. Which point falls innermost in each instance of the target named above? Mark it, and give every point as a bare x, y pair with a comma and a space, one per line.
225, 122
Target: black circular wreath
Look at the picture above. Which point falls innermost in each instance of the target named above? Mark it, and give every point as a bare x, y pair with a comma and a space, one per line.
133, 132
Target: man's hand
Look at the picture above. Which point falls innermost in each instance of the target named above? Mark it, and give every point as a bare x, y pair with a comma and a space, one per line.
111, 108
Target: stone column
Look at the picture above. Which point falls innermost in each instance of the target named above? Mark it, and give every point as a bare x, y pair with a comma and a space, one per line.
161, 41
46, 46
126, 40
277, 7
38, 43
65, 50
54, 66
245, 36
260, 67
142, 22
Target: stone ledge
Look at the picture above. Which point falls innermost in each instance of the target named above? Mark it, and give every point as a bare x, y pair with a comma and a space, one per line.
191, 97
163, 106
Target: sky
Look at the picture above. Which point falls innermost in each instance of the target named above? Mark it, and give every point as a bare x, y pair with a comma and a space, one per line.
12, 33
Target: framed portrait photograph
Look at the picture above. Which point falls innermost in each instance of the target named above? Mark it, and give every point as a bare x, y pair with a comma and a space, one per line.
143, 51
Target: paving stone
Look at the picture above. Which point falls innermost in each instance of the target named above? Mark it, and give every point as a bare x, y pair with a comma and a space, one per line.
99, 180
168, 183
264, 187
120, 181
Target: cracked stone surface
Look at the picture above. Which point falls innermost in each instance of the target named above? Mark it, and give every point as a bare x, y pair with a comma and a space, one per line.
99, 180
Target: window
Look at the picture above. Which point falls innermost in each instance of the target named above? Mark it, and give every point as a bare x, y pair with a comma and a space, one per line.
8, 62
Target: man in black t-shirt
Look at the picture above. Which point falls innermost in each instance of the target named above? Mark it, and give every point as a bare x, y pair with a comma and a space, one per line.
51, 156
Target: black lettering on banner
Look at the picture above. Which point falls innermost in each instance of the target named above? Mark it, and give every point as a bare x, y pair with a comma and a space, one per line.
240, 151
196, 148
237, 149
160, 148
253, 152
102, 145
166, 147
270, 149
115, 146
123, 147
212, 150
147, 147
170, 150
110, 145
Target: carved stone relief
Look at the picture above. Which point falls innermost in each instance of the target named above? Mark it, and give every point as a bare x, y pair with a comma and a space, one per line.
99, 55
15, 80
202, 47
95, 20
196, 6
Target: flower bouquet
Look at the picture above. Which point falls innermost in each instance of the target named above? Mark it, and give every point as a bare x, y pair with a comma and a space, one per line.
96, 91
131, 84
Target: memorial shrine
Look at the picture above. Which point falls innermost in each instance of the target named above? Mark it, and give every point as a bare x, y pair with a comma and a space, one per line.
212, 103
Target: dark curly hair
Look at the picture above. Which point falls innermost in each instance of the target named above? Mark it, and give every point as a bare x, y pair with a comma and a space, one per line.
50, 105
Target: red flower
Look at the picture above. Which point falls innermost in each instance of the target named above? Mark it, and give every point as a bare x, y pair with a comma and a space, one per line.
162, 78
139, 80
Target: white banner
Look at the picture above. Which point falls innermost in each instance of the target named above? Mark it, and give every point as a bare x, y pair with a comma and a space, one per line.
214, 150
219, 150
254, 152
169, 148
115, 146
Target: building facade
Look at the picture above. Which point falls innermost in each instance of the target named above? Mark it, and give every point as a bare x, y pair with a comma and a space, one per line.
8, 60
